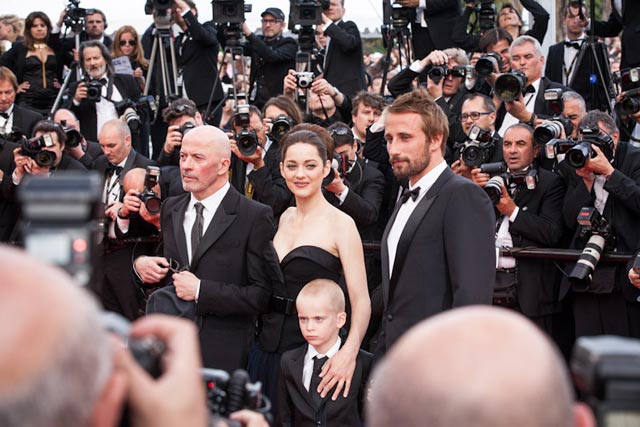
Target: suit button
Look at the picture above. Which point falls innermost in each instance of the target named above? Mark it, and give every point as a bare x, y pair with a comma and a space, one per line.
389, 317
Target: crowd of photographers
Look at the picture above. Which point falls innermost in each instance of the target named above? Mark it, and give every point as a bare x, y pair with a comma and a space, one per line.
557, 155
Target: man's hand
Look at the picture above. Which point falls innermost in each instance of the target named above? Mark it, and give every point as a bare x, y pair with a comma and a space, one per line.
588, 177
112, 210
634, 278
460, 168
76, 152
518, 109
23, 163
151, 218
151, 269
437, 57
81, 92
435, 89
249, 418
479, 178
245, 29
289, 84
506, 205
337, 185
599, 164
173, 140
186, 284
180, 380
131, 203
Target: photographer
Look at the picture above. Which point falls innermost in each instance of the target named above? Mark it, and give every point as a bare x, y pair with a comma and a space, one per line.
477, 110
95, 23
530, 217
257, 175
609, 304
343, 62
272, 55
563, 57
508, 19
177, 115
86, 151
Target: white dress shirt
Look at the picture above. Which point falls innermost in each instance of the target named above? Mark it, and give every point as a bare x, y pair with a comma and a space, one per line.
570, 60
307, 367
407, 208
6, 125
105, 110
111, 195
530, 104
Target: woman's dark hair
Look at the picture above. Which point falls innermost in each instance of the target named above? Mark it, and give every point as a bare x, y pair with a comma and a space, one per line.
49, 126
303, 134
28, 23
287, 105
492, 37
512, 7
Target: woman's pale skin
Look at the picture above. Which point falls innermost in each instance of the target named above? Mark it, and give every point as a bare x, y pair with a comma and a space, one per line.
315, 222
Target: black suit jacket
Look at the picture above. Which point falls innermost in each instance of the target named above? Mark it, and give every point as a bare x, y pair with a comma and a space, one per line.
629, 24
297, 409
9, 210
440, 16
24, 120
445, 256
343, 66
69, 43
538, 224
234, 262
86, 111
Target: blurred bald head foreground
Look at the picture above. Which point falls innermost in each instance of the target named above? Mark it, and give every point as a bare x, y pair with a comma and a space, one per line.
474, 366
54, 362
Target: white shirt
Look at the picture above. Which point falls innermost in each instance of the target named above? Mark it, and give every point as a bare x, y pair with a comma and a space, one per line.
105, 110
570, 60
111, 195
307, 367
6, 125
504, 240
407, 208
211, 205
530, 104
601, 194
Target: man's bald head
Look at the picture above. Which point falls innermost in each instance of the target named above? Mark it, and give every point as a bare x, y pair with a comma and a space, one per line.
210, 135
54, 357
477, 366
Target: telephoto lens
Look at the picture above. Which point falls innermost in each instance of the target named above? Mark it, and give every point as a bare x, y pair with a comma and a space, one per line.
493, 188
509, 86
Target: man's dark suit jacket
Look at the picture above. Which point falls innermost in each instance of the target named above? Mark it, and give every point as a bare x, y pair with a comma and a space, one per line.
86, 111
629, 24
69, 43
343, 66
91, 154
440, 16
234, 262
622, 209
9, 210
24, 120
445, 256
269, 187
538, 224
554, 69
297, 409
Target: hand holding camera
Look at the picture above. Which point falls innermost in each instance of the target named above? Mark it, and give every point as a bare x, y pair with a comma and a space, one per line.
81, 92
131, 204
24, 164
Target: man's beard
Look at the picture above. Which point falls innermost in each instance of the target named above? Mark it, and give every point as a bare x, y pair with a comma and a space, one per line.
412, 168
97, 72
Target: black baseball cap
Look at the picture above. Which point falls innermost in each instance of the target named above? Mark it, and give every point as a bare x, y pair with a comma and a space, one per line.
275, 12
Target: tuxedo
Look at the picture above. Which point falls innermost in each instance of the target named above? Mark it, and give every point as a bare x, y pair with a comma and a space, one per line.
24, 120
445, 256
117, 289
440, 16
296, 406
555, 67
235, 263
9, 210
343, 65
629, 23
86, 111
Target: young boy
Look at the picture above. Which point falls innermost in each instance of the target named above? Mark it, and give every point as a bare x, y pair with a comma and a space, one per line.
321, 314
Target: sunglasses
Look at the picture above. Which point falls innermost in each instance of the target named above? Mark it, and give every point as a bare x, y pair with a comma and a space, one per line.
128, 42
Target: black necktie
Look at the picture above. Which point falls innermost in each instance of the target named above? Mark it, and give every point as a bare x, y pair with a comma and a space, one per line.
315, 379
197, 229
575, 45
113, 169
410, 194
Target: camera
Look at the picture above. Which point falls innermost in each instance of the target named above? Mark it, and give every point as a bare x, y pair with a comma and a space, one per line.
12, 135
74, 15
230, 393
246, 139
605, 372
439, 72
340, 164
558, 146
628, 76
552, 129
160, 7
34, 148
304, 79
73, 137
581, 152
402, 16
306, 13
488, 63
478, 148
279, 126
486, 15
601, 236
94, 90
502, 177
129, 110
630, 103
149, 197
186, 127
229, 11
509, 86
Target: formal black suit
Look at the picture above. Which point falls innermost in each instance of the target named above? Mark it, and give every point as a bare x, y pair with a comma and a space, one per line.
117, 288
343, 64
92, 152
234, 262
440, 16
629, 24
269, 187
296, 407
622, 211
445, 256
24, 120
86, 111
9, 210
554, 66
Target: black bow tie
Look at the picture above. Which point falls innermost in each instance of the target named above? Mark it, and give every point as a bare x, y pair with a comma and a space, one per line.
113, 169
529, 89
575, 45
410, 194
103, 81
4, 114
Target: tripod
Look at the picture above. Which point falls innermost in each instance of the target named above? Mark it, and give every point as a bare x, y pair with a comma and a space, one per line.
77, 27
162, 33
596, 86
395, 31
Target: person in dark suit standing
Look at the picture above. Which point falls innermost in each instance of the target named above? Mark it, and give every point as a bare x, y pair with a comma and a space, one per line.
321, 314
432, 28
220, 241
625, 15
562, 59
95, 25
343, 64
434, 255
12, 116
96, 60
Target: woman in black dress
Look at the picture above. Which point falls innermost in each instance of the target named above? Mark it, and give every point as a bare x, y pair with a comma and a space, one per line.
37, 63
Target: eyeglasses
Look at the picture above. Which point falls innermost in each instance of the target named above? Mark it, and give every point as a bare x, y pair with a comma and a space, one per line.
270, 21
128, 42
475, 115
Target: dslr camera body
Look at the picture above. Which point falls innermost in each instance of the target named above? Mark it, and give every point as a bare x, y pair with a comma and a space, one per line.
439, 72
478, 148
487, 64
306, 13
280, 126
149, 197
94, 90
582, 151
36, 148
552, 128
246, 139
130, 110
501, 176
